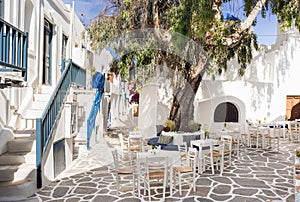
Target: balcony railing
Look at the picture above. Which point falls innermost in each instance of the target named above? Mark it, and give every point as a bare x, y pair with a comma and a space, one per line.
45, 125
13, 49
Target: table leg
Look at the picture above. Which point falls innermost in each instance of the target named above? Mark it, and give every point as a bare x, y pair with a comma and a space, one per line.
138, 179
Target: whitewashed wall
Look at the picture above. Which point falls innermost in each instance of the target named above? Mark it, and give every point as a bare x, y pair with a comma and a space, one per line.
272, 75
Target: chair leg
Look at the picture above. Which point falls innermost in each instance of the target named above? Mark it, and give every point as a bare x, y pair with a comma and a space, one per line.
149, 192
194, 182
212, 166
133, 186
179, 182
118, 185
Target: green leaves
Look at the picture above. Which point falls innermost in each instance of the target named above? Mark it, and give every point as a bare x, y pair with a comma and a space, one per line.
199, 20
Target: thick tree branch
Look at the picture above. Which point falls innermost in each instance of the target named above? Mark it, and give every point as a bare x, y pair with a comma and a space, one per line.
246, 24
155, 14
250, 19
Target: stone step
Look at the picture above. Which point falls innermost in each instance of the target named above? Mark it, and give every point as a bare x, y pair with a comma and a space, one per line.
17, 158
21, 145
7, 173
47, 89
32, 113
17, 172
41, 97
40, 105
26, 133
16, 191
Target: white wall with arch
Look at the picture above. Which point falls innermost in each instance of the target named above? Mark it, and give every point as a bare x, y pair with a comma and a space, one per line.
205, 110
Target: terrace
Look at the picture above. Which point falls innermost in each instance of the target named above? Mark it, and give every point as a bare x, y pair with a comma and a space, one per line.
256, 175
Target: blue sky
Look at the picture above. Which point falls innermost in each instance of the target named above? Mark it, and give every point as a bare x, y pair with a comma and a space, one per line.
266, 29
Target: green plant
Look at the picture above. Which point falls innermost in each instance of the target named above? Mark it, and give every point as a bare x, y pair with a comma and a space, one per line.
170, 124
206, 134
194, 126
298, 153
225, 124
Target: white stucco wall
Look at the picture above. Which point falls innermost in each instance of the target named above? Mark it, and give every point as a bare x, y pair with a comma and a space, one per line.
272, 75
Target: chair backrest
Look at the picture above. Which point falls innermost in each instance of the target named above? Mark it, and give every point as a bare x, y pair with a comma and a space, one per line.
116, 159
205, 147
182, 148
156, 164
227, 141
135, 144
220, 146
275, 132
192, 156
121, 139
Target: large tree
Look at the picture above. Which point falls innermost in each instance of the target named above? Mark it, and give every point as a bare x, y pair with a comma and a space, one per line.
199, 20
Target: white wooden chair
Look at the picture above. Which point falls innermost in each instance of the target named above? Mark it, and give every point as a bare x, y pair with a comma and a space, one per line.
123, 145
182, 148
273, 137
186, 174
156, 171
236, 142
216, 157
227, 148
122, 171
204, 148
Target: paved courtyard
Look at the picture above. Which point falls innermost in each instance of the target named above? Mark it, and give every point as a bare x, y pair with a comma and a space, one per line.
258, 175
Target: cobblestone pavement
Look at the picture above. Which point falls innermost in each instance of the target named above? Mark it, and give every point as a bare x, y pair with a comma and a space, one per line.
257, 175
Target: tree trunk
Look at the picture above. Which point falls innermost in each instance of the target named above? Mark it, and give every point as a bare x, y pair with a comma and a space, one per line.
182, 109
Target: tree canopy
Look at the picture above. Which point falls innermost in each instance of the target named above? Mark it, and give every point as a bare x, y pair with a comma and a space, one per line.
202, 21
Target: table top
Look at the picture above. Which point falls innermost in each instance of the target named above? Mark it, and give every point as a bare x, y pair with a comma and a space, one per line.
195, 142
173, 156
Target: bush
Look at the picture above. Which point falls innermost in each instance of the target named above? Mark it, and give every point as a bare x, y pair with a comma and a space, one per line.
194, 126
170, 124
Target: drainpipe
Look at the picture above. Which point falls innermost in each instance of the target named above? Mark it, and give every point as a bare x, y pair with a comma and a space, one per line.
71, 29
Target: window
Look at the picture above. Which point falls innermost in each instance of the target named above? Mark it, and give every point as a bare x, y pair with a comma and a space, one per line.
47, 69
226, 112
64, 47
2, 9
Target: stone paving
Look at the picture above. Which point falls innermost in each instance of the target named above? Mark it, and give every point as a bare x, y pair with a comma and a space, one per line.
257, 175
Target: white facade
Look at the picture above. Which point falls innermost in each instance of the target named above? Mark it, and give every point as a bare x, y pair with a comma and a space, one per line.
55, 33
261, 93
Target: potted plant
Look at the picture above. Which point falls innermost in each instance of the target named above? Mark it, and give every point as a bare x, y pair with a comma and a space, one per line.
170, 124
297, 159
194, 126
206, 134
153, 146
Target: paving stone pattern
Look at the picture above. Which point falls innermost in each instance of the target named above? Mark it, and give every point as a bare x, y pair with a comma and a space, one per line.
257, 175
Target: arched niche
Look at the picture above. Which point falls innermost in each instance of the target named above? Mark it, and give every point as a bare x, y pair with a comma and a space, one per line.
226, 112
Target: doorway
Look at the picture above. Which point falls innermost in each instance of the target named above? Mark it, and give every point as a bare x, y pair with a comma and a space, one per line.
293, 107
47, 56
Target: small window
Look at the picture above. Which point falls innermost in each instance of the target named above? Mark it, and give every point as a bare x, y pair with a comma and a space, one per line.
2, 9
64, 46
226, 112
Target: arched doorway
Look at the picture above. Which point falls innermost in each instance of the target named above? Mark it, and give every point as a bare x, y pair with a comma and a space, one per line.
293, 107
226, 112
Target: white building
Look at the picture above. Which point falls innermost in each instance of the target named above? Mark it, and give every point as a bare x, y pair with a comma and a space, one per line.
269, 91
54, 33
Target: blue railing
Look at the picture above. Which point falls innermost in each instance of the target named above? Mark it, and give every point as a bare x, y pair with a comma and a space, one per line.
13, 49
45, 125
99, 83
